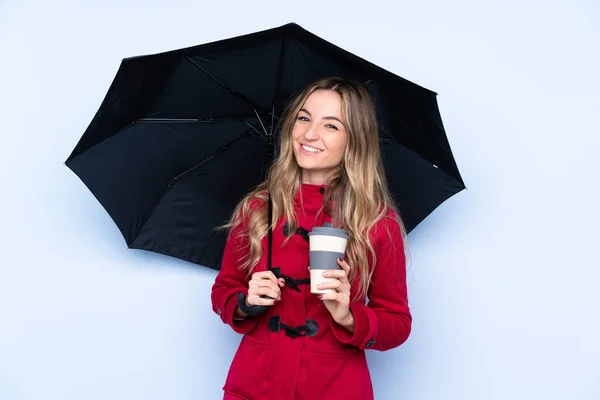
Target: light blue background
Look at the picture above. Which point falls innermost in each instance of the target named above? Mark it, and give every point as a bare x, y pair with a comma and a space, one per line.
504, 277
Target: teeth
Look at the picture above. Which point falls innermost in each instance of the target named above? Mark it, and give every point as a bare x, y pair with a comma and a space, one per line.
311, 149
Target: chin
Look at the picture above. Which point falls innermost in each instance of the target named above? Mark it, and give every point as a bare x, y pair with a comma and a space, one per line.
304, 165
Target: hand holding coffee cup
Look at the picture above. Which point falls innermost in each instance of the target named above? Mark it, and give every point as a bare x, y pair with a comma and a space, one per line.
326, 246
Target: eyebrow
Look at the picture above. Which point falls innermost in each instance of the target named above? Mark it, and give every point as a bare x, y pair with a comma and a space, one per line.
330, 117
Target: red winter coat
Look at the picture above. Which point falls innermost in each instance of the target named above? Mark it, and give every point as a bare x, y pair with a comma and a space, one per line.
331, 364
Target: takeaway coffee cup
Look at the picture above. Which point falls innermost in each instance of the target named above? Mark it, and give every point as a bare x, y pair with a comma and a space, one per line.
326, 246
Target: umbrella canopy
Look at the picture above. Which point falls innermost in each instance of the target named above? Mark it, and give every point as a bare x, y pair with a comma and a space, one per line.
182, 136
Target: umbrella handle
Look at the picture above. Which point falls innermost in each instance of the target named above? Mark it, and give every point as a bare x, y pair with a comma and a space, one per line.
251, 310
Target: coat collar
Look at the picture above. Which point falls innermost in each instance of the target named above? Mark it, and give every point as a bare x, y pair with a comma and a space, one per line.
309, 197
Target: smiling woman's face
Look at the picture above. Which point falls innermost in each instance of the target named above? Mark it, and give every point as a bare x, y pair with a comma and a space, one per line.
319, 136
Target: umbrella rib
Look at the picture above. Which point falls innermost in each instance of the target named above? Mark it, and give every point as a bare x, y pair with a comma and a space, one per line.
205, 119
261, 134
386, 140
199, 120
223, 148
188, 120
261, 123
224, 86
178, 177
392, 142
278, 81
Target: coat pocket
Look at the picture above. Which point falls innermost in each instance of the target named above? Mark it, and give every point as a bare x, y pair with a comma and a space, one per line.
339, 376
247, 370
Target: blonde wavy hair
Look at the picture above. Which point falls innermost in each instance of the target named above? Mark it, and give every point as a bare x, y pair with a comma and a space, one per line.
358, 191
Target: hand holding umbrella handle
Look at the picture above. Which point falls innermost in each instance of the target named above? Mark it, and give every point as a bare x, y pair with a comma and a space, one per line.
250, 310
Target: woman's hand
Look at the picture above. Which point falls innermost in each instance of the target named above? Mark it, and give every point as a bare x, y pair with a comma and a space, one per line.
264, 283
338, 303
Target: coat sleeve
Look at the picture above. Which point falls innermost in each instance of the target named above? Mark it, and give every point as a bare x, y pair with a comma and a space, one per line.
385, 322
230, 281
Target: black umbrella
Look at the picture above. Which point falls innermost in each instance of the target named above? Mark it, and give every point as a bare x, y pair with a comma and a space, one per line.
181, 136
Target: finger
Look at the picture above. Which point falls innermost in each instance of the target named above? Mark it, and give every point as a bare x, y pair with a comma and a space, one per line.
281, 282
262, 278
268, 284
266, 275
266, 291
264, 296
330, 296
345, 266
334, 284
259, 301
335, 273
340, 298
266, 302
269, 290
254, 296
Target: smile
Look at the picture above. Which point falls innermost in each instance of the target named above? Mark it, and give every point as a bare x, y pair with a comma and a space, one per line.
310, 149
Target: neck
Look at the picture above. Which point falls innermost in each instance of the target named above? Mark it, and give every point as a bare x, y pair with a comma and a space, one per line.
315, 178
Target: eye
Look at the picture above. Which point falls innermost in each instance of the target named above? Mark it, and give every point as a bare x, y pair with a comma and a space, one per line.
331, 127
302, 118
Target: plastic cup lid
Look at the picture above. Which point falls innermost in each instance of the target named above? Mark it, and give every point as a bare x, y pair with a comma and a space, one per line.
327, 231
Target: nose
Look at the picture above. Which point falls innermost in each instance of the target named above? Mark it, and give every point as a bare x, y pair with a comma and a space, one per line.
311, 133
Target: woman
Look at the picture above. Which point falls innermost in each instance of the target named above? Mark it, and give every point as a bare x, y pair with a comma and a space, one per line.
328, 172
